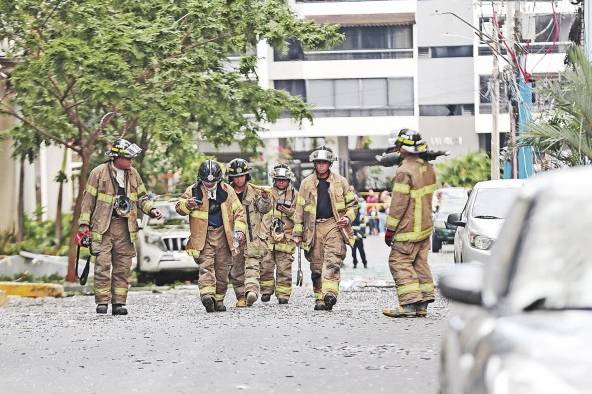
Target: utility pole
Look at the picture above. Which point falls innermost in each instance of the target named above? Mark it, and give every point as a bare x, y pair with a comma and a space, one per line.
495, 96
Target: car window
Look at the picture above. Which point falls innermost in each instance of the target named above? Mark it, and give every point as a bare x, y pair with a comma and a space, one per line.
554, 268
493, 203
498, 273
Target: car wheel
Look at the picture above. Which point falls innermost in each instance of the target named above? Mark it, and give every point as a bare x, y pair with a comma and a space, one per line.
436, 245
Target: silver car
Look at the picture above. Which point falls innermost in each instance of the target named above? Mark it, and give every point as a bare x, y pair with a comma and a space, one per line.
161, 247
479, 223
523, 323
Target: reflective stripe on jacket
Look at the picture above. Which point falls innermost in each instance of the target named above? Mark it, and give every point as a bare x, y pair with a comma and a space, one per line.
343, 203
233, 217
99, 197
410, 213
287, 244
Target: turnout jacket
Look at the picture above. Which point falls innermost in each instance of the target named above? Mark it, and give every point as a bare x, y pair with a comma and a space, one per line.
255, 206
343, 203
410, 213
286, 243
99, 197
233, 216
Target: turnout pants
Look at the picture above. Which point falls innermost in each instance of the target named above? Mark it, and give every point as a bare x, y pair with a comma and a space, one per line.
408, 262
244, 275
326, 256
113, 262
281, 282
214, 264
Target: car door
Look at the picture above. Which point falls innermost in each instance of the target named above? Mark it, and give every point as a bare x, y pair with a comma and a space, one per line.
460, 234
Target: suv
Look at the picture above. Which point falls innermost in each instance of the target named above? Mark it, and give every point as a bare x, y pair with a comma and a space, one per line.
161, 246
479, 223
446, 201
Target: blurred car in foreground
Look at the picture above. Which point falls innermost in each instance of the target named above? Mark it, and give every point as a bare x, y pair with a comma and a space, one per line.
161, 247
523, 322
479, 223
446, 201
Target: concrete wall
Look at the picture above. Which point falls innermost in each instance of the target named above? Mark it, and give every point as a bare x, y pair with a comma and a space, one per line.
435, 29
455, 134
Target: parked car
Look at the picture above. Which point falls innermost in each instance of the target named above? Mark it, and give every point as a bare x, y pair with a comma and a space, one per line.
447, 201
161, 246
479, 223
523, 322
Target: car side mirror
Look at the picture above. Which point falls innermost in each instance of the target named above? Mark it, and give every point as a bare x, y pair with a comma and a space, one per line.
454, 219
463, 284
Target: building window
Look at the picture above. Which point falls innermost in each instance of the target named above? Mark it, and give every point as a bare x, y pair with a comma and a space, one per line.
447, 110
447, 51
354, 97
485, 91
361, 42
296, 87
545, 28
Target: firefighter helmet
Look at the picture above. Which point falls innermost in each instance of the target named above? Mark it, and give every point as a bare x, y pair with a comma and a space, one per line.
410, 141
322, 153
209, 171
238, 167
281, 171
124, 148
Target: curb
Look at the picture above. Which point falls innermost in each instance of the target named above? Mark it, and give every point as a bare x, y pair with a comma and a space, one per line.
32, 289
3, 297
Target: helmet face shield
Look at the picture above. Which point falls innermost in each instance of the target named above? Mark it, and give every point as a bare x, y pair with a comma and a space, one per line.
322, 154
133, 150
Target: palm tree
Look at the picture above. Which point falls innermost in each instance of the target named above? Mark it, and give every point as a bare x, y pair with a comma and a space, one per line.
565, 135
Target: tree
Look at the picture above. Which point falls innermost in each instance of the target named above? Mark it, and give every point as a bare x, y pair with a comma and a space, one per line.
465, 171
152, 70
565, 134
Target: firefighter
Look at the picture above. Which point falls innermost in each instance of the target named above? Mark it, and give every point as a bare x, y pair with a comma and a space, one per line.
325, 209
256, 202
277, 231
359, 229
217, 226
409, 226
111, 197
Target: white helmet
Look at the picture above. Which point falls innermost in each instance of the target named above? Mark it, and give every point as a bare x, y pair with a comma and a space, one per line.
322, 153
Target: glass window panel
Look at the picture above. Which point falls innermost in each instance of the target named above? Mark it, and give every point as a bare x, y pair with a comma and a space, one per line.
376, 37
347, 93
293, 86
400, 92
321, 93
374, 93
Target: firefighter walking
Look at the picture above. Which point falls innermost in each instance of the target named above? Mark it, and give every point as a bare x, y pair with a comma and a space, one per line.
244, 274
277, 231
409, 226
111, 197
217, 227
325, 209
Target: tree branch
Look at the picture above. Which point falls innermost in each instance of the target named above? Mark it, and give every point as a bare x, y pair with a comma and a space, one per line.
38, 129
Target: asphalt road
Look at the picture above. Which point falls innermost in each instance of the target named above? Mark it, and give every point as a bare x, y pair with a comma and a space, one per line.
169, 344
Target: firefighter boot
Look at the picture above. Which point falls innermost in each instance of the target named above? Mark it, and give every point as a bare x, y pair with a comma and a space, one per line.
209, 303
330, 300
282, 301
241, 302
421, 309
408, 310
251, 298
102, 308
118, 309
265, 297
220, 306
319, 305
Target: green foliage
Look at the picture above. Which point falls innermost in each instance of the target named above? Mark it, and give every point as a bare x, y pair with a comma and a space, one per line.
38, 237
28, 277
155, 71
465, 171
565, 135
